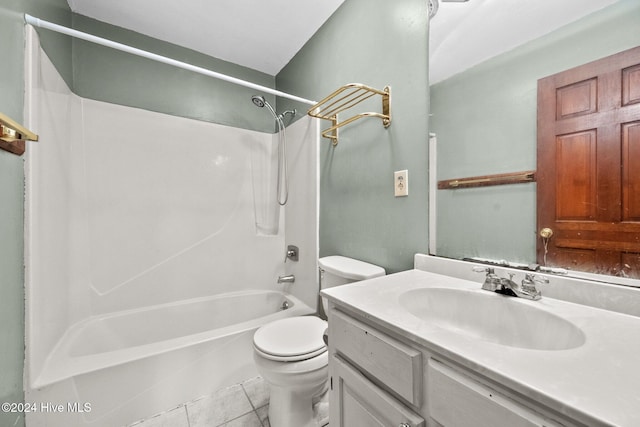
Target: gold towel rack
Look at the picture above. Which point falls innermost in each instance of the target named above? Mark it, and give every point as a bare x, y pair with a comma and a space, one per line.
343, 99
13, 135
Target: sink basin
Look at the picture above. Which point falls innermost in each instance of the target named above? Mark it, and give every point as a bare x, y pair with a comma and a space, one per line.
491, 317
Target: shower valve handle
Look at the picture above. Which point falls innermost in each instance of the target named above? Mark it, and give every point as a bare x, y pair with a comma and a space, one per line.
292, 253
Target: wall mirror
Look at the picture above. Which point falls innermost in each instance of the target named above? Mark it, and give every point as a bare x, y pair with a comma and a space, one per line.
485, 60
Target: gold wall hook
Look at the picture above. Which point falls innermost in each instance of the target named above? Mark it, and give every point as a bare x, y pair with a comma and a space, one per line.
13, 135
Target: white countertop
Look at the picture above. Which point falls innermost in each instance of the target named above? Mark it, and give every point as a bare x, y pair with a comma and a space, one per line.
597, 383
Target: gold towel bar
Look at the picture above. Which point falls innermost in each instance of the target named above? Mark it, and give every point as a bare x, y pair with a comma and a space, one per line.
351, 95
486, 180
13, 135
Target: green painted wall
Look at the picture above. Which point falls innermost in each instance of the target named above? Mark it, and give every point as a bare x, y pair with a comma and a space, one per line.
109, 75
378, 43
485, 121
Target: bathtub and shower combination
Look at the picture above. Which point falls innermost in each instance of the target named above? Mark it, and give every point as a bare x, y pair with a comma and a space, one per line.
144, 287
133, 364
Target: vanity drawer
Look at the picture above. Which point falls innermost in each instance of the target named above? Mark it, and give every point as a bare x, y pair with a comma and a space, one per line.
360, 403
394, 364
456, 400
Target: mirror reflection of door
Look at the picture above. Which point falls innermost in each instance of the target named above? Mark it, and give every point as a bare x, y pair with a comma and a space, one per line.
589, 166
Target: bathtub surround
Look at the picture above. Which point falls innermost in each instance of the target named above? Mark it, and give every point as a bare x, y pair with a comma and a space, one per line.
132, 212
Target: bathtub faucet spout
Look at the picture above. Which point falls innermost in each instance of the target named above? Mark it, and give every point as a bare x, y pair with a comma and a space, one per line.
286, 279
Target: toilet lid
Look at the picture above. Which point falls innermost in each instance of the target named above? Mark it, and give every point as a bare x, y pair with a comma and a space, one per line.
294, 338
350, 268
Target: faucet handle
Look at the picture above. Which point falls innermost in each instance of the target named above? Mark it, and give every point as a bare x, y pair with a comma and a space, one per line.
530, 278
528, 285
491, 281
538, 279
481, 269
292, 253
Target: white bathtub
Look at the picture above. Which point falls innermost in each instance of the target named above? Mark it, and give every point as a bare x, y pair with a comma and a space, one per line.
133, 364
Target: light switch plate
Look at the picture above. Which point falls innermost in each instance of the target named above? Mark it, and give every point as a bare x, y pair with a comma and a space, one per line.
401, 183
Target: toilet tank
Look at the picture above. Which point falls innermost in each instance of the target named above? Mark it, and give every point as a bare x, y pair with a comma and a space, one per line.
338, 270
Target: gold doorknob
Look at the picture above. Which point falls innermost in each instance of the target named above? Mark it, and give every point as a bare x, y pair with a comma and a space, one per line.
546, 233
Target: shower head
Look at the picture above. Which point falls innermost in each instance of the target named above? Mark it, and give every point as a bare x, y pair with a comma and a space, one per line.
258, 100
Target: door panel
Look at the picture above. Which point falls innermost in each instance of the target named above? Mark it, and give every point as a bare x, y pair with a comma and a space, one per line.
631, 85
631, 171
589, 166
576, 99
576, 184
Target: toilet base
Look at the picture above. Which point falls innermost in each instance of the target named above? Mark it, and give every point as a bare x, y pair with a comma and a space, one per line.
293, 409
293, 383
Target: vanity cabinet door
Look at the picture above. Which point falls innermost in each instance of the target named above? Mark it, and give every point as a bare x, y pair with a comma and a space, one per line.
456, 400
357, 402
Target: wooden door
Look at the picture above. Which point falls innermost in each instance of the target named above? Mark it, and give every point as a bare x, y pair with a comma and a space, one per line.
589, 166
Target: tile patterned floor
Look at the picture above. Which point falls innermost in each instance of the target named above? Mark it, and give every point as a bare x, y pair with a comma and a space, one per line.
241, 405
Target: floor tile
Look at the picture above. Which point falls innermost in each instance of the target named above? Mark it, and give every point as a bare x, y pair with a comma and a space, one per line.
263, 414
174, 418
219, 408
242, 405
321, 409
248, 420
257, 390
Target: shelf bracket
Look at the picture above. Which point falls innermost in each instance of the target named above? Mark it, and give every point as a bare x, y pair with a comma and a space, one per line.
13, 135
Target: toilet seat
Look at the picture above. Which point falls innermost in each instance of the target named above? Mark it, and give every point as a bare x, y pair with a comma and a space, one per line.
292, 339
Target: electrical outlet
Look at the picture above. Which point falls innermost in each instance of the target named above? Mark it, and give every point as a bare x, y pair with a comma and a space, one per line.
401, 183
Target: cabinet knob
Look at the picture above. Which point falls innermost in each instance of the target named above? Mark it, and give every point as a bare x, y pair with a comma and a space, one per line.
404, 425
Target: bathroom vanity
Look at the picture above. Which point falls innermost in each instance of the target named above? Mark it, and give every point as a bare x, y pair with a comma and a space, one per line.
422, 349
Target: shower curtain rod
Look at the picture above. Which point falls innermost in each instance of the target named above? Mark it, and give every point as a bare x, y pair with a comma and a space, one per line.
143, 53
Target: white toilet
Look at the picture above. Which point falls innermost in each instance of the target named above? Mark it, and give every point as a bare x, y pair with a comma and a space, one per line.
291, 355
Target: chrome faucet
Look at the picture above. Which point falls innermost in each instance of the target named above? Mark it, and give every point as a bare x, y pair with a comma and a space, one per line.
286, 279
501, 285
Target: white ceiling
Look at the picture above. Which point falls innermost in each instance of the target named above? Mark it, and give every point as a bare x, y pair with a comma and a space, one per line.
260, 34
465, 34
265, 34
